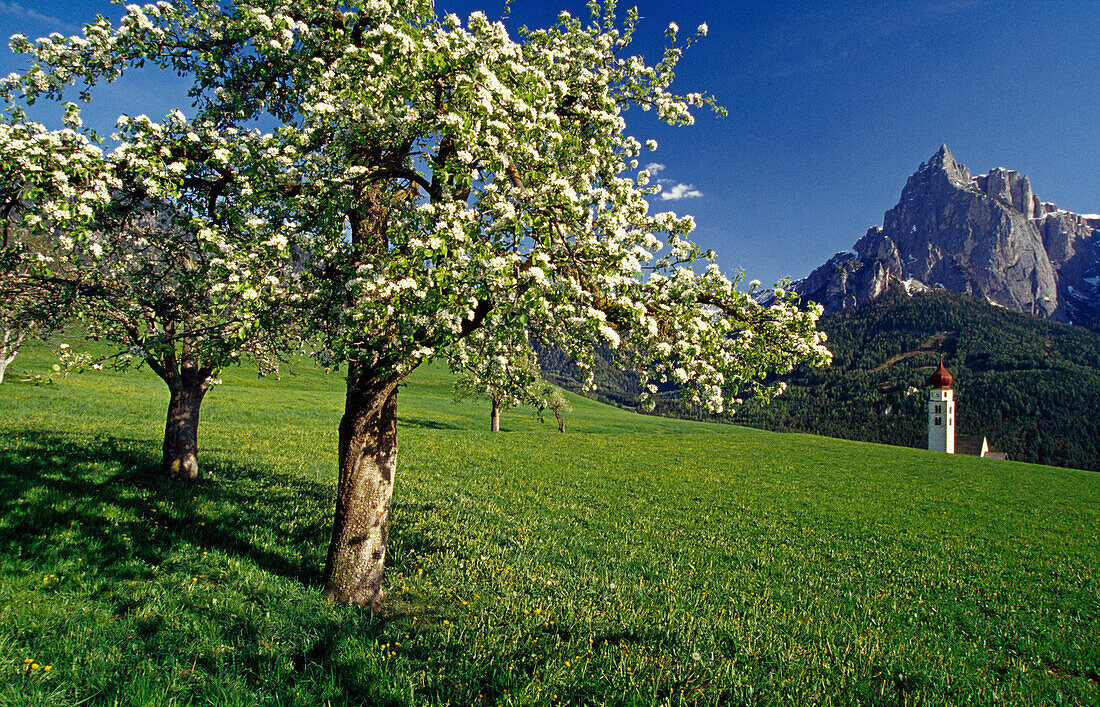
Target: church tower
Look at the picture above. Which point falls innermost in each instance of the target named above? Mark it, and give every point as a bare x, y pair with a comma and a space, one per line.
941, 412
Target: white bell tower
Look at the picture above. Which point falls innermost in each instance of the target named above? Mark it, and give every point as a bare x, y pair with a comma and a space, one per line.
941, 412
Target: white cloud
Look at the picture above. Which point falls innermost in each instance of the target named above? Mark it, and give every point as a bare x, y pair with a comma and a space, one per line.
14, 9
671, 190
679, 191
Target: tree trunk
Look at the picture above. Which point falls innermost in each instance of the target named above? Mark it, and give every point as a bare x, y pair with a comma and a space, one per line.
5, 361
180, 459
9, 347
368, 461
561, 421
494, 417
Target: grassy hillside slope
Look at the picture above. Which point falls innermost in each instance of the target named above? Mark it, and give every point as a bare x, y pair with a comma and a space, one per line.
632, 560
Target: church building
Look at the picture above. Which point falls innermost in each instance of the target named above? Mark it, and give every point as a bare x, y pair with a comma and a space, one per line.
941, 422
941, 412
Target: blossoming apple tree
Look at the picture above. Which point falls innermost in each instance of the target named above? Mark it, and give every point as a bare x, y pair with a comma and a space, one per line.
504, 372
28, 309
145, 246
441, 177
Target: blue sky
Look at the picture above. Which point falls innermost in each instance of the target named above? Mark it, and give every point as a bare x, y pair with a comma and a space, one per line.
831, 107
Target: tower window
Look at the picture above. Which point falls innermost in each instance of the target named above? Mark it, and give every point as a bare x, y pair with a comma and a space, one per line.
937, 408
937, 421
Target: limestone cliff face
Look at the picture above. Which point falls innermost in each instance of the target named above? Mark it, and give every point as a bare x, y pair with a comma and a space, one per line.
987, 236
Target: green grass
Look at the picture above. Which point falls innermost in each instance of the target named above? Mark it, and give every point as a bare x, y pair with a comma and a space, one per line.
632, 560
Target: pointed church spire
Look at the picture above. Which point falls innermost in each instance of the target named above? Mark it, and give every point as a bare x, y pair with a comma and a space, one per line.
941, 378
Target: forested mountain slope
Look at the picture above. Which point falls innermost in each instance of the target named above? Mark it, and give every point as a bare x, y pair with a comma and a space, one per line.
1032, 386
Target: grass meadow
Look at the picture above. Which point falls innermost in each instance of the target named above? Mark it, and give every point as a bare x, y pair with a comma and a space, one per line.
631, 561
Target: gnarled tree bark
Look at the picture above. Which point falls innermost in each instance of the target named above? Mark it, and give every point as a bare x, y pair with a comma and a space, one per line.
180, 458
368, 462
187, 386
188, 380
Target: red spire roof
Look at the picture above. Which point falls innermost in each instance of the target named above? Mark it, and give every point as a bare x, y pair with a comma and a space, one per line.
941, 378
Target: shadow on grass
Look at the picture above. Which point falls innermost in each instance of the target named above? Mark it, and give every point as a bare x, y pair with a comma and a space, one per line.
103, 500
111, 488
426, 423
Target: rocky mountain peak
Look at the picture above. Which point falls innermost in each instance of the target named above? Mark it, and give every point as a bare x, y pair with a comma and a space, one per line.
987, 236
940, 172
943, 162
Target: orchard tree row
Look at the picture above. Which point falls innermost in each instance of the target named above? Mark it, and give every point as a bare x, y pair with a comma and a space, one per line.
431, 186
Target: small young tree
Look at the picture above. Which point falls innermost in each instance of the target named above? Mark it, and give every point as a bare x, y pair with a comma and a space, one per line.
557, 404
507, 379
446, 178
